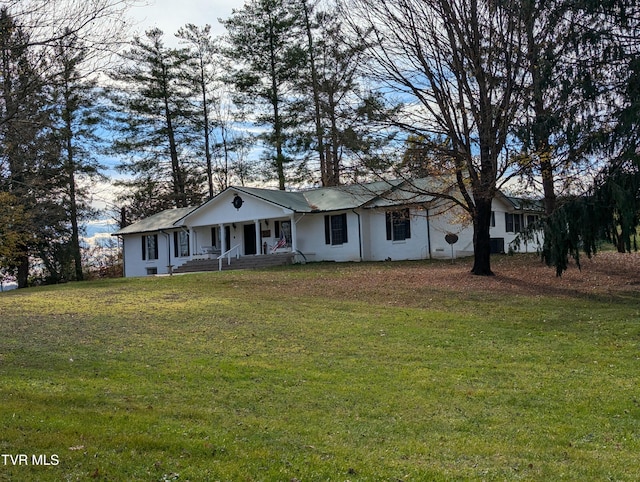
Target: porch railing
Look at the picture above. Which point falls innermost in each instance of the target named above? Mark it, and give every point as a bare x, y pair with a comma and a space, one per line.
227, 254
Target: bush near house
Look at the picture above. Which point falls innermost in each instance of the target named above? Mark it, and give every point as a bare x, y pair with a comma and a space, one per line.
361, 372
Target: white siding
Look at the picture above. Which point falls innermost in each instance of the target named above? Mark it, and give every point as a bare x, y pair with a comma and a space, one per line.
222, 211
311, 238
366, 233
380, 248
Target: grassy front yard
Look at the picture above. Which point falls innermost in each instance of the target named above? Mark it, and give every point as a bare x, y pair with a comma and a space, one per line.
365, 372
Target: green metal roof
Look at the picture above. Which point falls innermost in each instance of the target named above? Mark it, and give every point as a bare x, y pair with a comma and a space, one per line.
286, 199
163, 220
524, 204
322, 199
380, 194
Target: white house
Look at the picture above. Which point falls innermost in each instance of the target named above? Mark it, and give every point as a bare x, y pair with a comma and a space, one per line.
370, 222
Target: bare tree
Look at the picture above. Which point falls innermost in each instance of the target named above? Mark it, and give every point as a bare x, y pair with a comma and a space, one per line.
100, 23
458, 66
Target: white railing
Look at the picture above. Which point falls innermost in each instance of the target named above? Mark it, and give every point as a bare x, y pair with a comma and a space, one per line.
227, 254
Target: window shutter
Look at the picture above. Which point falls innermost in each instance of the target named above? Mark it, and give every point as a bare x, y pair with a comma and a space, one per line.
144, 248
508, 222
389, 220
327, 230
407, 225
344, 228
175, 244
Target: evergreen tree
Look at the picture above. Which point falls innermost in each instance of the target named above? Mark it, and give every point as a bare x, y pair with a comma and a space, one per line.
78, 119
264, 43
29, 155
155, 135
333, 101
605, 125
200, 71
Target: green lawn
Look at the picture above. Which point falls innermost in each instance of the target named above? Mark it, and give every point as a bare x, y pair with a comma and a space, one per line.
276, 375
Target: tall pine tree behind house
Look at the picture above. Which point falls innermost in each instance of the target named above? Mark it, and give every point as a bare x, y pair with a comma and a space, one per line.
155, 135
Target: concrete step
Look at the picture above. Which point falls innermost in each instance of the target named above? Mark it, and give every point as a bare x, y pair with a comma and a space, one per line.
244, 262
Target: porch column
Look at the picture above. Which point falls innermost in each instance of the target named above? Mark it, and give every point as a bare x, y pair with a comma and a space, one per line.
294, 235
256, 222
192, 242
223, 240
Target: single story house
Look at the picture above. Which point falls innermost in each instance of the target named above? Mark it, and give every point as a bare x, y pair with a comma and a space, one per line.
365, 222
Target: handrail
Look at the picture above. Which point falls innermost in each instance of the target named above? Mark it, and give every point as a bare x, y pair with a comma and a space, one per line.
228, 255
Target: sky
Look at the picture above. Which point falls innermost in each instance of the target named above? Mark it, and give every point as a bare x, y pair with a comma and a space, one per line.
170, 15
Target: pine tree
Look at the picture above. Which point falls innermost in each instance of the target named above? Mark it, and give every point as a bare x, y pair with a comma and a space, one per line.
201, 73
78, 119
29, 154
263, 40
338, 115
604, 125
155, 135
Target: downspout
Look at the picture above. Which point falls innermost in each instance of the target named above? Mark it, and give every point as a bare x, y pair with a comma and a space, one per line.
359, 233
428, 234
169, 267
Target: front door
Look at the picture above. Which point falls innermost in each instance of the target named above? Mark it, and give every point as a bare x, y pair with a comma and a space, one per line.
250, 239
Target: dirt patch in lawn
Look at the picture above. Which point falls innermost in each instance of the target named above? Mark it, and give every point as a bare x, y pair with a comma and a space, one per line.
608, 274
603, 274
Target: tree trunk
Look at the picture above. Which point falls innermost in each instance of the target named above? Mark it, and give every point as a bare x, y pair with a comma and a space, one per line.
207, 141
73, 202
23, 271
316, 98
275, 102
482, 237
540, 129
179, 189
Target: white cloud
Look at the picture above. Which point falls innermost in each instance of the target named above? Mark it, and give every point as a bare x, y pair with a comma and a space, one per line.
169, 16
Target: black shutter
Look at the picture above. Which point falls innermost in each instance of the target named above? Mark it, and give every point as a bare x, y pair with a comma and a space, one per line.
175, 244
389, 220
508, 222
144, 248
407, 225
344, 228
327, 230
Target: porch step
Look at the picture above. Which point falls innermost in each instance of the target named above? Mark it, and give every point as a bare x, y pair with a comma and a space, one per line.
244, 262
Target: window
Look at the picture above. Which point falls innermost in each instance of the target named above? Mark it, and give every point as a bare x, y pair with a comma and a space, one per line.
150, 247
398, 225
283, 228
181, 244
335, 229
513, 222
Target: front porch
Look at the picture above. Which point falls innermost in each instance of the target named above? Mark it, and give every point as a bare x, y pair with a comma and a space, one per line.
243, 262
243, 238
